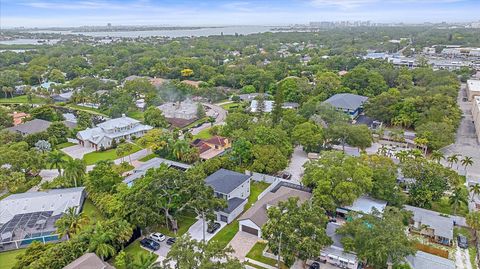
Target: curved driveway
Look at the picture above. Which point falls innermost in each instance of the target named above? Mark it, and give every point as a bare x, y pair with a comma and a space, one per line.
215, 111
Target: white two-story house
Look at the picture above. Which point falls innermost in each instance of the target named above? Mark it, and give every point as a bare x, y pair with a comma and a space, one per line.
103, 135
232, 186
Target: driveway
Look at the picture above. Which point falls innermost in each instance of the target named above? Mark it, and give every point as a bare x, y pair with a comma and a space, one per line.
462, 259
295, 167
77, 151
196, 230
215, 111
242, 243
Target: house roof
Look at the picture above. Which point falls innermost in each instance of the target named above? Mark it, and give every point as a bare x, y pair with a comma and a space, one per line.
233, 204
258, 212
88, 261
153, 163
31, 127
442, 224
217, 140
364, 204
346, 101
423, 260
57, 200
225, 181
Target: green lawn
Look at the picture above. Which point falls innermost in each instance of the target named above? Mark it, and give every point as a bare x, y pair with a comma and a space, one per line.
7, 259
203, 134
135, 251
148, 157
22, 99
197, 122
110, 154
65, 145
184, 222
443, 206
256, 253
138, 115
92, 212
225, 235
85, 109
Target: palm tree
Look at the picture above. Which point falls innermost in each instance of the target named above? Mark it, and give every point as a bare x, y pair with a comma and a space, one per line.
75, 170
145, 261
56, 160
457, 198
71, 222
422, 142
466, 161
475, 190
402, 155
473, 220
437, 156
100, 241
383, 150
180, 148
452, 159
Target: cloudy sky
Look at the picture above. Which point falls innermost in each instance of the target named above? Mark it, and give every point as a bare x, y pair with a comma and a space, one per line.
222, 12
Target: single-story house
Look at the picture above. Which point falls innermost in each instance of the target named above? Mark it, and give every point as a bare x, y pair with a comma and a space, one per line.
152, 163
248, 97
212, 147
232, 186
335, 254
180, 110
268, 105
433, 225
31, 127
352, 104
63, 97
363, 205
103, 135
256, 216
423, 260
88, 261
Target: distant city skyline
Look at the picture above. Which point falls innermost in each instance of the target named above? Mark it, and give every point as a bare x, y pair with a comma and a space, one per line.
64, 13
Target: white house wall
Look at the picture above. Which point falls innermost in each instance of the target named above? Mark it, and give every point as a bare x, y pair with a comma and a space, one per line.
242, 191
250, 224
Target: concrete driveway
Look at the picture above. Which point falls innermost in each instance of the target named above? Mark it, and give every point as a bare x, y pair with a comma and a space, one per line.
196, 230
215, 111
242, 243
77, 151
295, 167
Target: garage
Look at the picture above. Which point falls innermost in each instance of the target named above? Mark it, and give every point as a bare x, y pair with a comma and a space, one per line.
250, 230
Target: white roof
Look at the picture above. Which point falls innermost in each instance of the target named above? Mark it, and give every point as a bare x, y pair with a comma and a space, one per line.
58, 201
117, 123
364, 204
473, 85
268, 106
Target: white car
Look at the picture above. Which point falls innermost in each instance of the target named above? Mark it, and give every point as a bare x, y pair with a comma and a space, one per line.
158, 237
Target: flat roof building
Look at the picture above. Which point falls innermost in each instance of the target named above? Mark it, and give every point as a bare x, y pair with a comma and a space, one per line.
473, 88
476, 115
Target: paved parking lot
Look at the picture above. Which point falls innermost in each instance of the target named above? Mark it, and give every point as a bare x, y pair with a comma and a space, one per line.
196, 230
77, 151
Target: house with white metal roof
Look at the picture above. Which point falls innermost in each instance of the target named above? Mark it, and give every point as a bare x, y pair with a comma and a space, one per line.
114, 129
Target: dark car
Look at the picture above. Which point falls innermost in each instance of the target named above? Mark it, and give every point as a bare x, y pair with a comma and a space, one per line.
212, 227
171, 241
314, 265
462, 241
285, 175
150, 244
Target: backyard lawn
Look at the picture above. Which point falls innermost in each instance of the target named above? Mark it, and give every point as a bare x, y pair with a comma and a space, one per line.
7, 258
184, 223
92, 212
138, 115
203, 134
85, 109
110, 154
148, 157
22, 99
443, 206
256, 188
256, 253
65, 145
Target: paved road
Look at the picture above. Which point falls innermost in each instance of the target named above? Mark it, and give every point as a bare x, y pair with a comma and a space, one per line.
216, 111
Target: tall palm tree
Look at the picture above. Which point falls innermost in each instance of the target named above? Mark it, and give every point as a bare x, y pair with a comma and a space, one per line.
452, 159
402, 155
475, 190
466, 161
101, 241
457, 198
383, 150
145, 261
75, 170
71, 222
56, 160
437, 156
180, 148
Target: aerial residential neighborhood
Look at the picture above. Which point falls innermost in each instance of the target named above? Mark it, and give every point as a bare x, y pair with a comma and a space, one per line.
248, 134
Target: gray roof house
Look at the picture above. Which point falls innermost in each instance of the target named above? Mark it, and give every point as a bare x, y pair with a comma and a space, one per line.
88, 261
423, 260
103, 135
30, 215
352, 104
431, 224
152, 163
31, 127
232, 186
335, 253
364, 205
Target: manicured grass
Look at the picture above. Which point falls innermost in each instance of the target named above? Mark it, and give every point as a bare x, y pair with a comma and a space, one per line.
203, 134
22, 99
138, 115
443, 206
65, 145
148, 157
135, 251
86, 109
184, 223
8, 258
256, 253
197, 122
225, 235
256, 188
110, 154
92, 212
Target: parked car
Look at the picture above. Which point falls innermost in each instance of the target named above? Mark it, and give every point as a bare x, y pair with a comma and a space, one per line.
285, 175
171, 241
314, 265
212, 227
150, 244
158, 237
462, 241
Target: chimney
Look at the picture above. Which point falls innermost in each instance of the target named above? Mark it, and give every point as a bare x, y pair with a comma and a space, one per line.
123, 115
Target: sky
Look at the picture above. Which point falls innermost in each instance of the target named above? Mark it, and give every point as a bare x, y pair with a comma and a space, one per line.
58, 13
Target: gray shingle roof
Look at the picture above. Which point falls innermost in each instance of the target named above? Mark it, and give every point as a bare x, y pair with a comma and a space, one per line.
346, 101
233, 204
442, 224
31, 127
225, 181
423, 260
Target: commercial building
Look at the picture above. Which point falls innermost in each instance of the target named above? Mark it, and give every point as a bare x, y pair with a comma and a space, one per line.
476, 115
114, 129
473, 88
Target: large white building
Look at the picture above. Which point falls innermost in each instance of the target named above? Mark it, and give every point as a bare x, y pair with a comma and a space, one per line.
186, 110
473, 88
103, 135
476, 115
